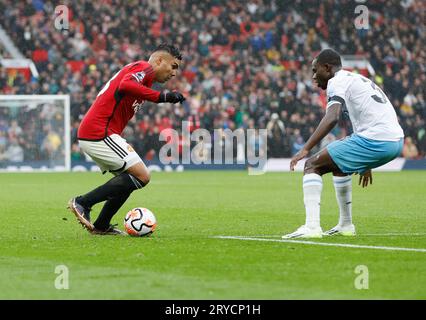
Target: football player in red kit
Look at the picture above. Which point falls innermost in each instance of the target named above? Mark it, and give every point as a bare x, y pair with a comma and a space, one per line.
100, 130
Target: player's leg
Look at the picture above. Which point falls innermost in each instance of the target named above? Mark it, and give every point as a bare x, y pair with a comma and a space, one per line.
316, 166
343, 189
356, 154
340, 166
115, 192
141, 175
115, 155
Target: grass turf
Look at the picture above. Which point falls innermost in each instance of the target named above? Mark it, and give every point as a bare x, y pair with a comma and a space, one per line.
182, 260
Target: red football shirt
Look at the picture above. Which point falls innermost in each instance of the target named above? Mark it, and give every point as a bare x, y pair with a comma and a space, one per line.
117, 102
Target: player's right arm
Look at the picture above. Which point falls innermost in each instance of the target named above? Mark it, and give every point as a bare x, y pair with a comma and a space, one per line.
336, 93
327, 123
133, 84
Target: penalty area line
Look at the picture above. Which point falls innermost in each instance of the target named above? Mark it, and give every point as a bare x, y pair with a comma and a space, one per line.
327, 244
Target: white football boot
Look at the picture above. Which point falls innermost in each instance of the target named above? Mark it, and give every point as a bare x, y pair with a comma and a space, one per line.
347, 231
304, 232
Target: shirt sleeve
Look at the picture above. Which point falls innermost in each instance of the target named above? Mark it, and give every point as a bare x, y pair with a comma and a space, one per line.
336, 91
133, 84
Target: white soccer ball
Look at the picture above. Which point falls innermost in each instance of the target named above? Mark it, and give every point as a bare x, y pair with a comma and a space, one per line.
140, 222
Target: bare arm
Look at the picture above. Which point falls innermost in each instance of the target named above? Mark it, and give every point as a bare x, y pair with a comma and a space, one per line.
327, 123
325, 126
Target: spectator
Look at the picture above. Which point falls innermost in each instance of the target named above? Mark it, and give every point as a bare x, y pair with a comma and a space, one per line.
253, 58
297, 145
15, 131
14, 152
276, 137
76, 153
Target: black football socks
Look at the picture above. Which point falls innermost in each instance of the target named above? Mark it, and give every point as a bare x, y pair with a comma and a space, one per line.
119, 186
109, 209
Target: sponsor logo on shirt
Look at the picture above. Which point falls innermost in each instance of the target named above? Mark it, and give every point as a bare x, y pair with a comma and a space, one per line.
137, 105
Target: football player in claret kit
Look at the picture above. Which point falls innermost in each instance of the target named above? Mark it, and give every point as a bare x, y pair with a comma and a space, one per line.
100, 130
376, 140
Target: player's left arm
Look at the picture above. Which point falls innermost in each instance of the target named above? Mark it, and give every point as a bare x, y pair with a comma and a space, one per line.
133, 84
327, 123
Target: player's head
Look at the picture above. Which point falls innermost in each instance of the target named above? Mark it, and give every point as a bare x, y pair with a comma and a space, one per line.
325, 64
165, 61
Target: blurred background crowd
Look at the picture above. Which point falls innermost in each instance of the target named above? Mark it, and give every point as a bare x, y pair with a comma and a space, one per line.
247, 64
32, 132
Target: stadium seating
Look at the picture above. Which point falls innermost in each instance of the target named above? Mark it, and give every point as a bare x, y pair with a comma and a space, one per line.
245, 63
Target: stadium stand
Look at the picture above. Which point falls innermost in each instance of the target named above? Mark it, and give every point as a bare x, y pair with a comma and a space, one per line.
246, 64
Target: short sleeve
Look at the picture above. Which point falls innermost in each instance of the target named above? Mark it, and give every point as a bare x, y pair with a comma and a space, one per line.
336, 91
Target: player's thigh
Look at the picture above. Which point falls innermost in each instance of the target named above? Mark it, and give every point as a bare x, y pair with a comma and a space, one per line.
103, 155
357, 154
134, 164
322, 163
115, 155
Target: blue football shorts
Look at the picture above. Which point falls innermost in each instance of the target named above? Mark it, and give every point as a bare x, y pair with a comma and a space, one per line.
358, 154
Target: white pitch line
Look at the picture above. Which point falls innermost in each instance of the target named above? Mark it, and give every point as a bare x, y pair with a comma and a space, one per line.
394, 234
345, 245
402, 234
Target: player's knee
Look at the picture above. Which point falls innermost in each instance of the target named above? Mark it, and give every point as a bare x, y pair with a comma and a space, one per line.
310, 166
144, 177
141, 173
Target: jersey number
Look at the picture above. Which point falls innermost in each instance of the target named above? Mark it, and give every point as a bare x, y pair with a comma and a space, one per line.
107, 84
382, 98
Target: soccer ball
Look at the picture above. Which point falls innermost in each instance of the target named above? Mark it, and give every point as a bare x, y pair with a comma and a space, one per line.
140, 222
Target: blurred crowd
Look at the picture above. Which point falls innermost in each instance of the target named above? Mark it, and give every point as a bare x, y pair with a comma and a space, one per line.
32, 131
247, 64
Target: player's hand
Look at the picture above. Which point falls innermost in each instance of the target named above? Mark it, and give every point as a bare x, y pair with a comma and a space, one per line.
365, 178
298, 156
172, 97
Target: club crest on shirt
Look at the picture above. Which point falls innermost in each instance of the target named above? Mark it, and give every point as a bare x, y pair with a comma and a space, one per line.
137, 105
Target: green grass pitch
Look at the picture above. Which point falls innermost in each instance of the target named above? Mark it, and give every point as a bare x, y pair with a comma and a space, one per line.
184, 260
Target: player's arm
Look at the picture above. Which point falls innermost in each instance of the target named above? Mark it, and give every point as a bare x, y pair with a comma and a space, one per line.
133, 84
327, 123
